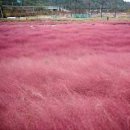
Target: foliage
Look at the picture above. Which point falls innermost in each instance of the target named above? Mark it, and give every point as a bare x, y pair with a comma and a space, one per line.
72, 4
0, 2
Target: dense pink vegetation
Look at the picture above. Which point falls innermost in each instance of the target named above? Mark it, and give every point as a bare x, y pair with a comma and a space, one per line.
64, 77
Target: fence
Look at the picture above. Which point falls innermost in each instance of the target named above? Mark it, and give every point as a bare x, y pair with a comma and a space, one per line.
23, 11
50, 11
54, 11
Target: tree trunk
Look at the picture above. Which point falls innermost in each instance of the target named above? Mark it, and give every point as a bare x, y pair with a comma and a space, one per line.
1, 12
115, 13
101, 10
115, 8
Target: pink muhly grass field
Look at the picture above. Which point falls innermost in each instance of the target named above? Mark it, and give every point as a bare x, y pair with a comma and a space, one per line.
65, 76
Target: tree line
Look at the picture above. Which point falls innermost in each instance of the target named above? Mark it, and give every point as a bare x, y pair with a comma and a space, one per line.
68, 3
77, 5
91, 4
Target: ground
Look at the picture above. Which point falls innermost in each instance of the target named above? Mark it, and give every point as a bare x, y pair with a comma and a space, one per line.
64, 77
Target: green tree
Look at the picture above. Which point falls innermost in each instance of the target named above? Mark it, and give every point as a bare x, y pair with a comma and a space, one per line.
1, 9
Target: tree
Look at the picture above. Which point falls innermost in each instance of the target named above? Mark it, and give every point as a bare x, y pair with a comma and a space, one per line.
1, 9
101, 3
